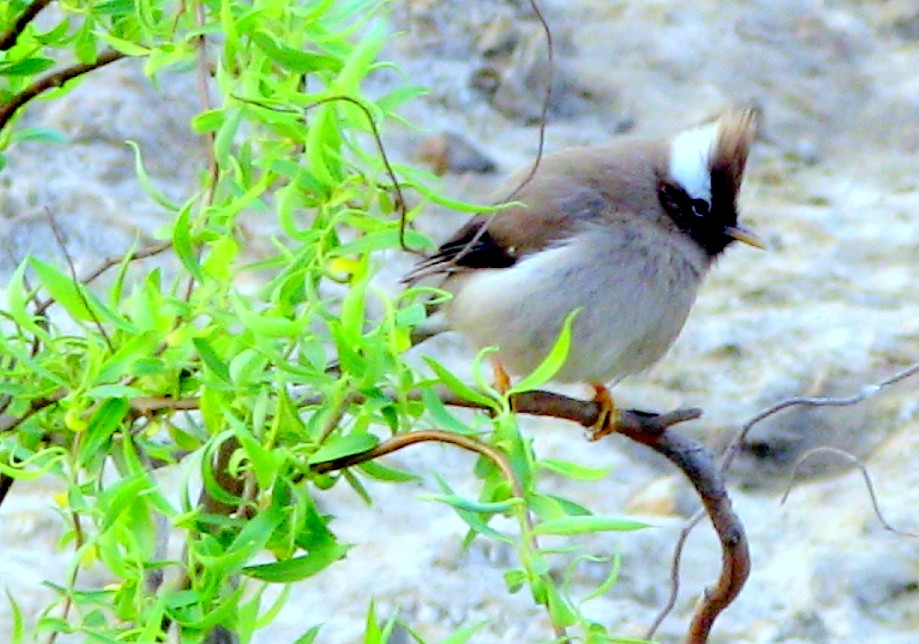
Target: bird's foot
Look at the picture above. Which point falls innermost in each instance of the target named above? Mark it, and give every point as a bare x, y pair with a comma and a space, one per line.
608, 418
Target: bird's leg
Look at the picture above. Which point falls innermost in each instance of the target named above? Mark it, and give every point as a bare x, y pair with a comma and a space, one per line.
608, 418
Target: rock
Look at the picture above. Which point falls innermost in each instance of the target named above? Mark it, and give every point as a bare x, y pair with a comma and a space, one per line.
451, 152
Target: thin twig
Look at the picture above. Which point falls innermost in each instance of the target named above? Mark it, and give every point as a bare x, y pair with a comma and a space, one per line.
9, 38
52, 81
94, 274
869, 485
868, 391
59, 238
547, 99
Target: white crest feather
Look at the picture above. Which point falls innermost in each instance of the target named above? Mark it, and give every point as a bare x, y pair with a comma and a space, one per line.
691, 157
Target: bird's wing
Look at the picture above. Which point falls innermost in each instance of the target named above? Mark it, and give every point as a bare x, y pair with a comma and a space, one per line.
547, 212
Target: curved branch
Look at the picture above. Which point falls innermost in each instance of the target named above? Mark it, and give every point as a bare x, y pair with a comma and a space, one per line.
52, 81
9, 38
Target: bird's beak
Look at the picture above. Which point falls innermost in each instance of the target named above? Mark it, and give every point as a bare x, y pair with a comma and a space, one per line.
745, 236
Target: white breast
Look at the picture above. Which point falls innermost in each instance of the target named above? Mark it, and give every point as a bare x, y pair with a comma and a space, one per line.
634, 291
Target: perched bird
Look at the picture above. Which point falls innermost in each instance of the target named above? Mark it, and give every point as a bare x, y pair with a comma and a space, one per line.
624, 233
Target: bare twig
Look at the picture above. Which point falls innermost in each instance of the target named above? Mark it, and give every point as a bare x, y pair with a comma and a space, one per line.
869, 485
9, 38
51, 81
868, 391
59, 238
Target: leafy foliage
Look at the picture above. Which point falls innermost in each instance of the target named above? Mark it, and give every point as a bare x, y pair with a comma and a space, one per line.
256, 386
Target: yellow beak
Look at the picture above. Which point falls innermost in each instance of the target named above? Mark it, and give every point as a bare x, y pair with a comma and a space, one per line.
745, 236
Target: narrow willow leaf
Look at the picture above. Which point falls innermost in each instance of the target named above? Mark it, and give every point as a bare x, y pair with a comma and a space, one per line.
574, 470
128, 47
463, 635
38, 134
296, 60
603, 588
585, 524
106, 419
552, 363
26, 66
561, 610
63, 290
457, 386
469, 505
183, 244
345, 446
388, 474
144, 179
212, 359
298, 568
309, 636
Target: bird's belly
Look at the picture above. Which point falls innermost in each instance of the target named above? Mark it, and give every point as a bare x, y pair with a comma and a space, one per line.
627, 319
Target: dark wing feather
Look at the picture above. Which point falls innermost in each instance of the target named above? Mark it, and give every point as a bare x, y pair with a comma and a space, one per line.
470, 247
551, 207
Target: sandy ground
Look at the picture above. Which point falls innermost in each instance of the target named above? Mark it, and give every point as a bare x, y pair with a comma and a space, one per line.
832, 184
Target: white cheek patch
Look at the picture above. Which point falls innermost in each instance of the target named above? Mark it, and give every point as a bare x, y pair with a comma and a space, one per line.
690, 160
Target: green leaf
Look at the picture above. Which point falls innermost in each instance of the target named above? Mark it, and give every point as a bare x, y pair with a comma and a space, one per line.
585, 524
574, 470
309, 636
611, 578
473, 519
18, 631
464, 635
25, 67
372, 632
272, 326
388, 474
135, 350
457, 386
144, 179
561, 610
102, 425
208, 121
297, 568
296, 60
212, 359
127, 47
63, 290
183, 245
552, 363
483, 507
345, 446
38, 134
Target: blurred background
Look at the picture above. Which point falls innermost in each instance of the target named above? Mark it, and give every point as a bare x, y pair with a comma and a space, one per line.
832, 184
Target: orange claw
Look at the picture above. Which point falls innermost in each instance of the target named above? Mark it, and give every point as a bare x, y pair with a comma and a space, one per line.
608, 418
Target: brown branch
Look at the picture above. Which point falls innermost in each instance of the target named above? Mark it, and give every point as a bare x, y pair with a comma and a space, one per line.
9, 38
652, 430
55, 80
733, 448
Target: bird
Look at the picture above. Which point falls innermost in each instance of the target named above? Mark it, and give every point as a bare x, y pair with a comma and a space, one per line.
622, 233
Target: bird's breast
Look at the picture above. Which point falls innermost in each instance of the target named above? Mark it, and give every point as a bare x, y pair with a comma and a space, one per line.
633, 290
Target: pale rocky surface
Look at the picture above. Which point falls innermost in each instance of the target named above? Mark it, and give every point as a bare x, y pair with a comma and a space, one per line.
833, 184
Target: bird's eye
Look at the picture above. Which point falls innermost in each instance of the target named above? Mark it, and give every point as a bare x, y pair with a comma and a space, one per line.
700, 207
